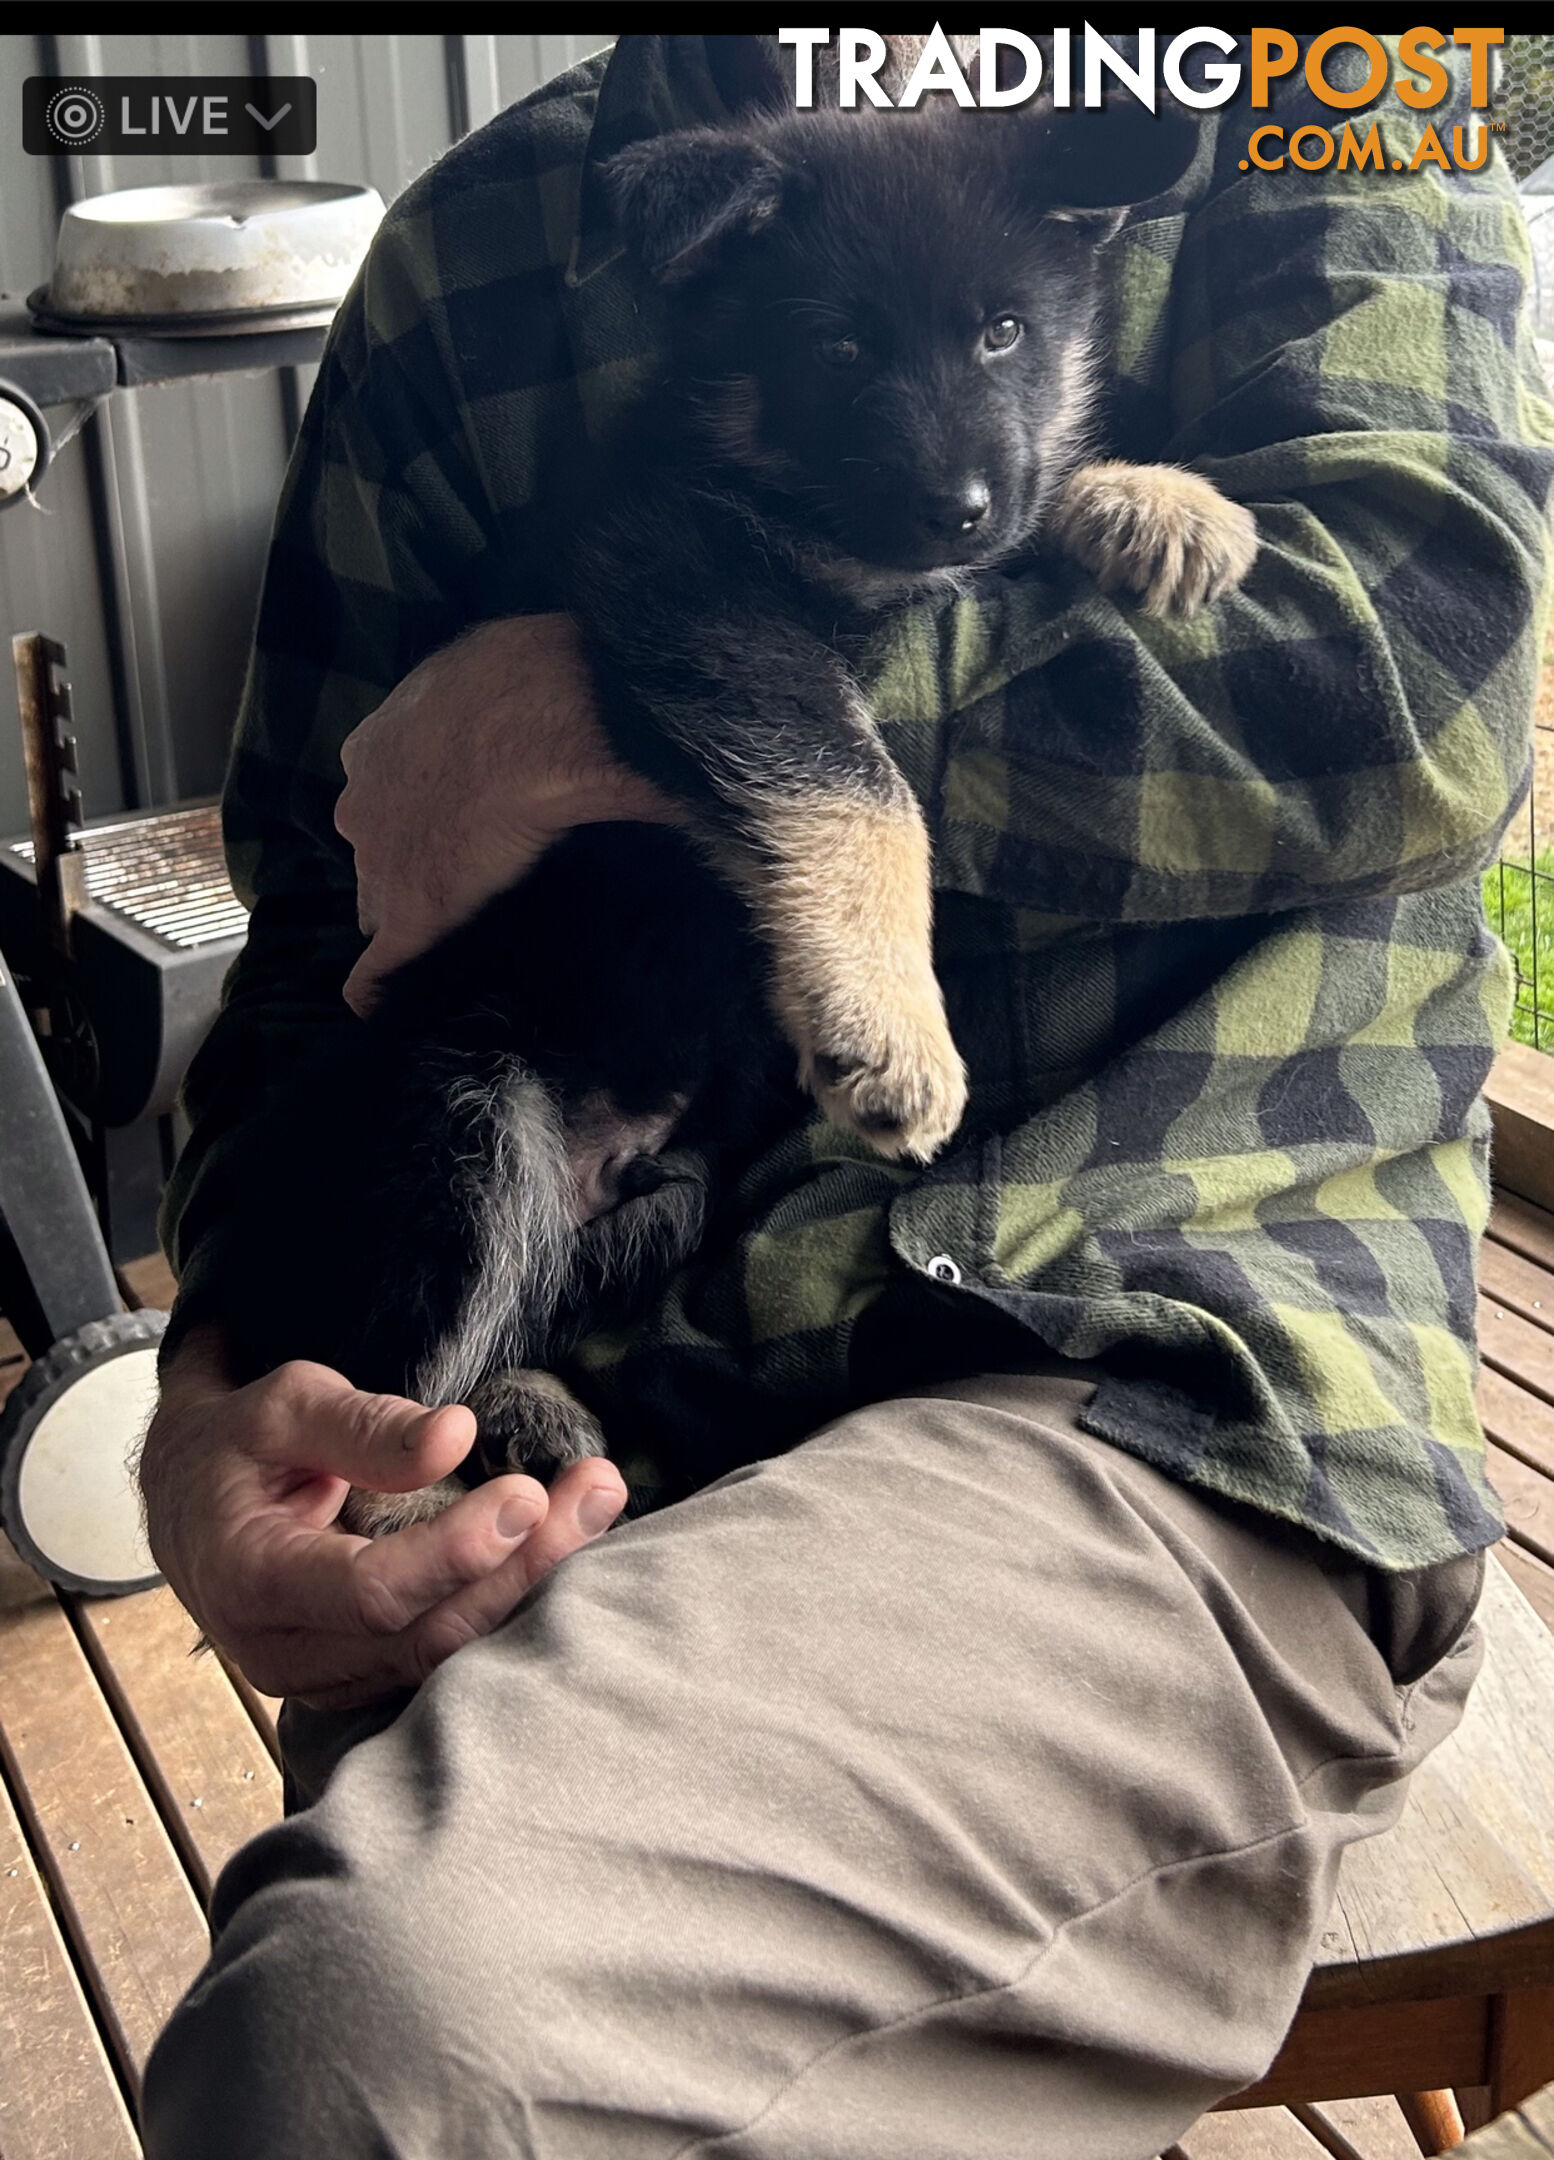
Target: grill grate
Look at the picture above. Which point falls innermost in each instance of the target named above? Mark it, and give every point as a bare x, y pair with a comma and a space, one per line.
164, 873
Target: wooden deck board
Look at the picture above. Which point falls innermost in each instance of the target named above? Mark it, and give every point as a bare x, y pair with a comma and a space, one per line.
1254, 2134
1527, 1496
1523, 1228
1520, 1349
1516, 1389
265, 1709
55, 2068
1374, 2127
198, 1749
135, 1923
1516, 1420
1533, 1577
1521, 1284
110, 1731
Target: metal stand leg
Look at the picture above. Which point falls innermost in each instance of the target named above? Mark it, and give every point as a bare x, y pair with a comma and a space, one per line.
45, 1209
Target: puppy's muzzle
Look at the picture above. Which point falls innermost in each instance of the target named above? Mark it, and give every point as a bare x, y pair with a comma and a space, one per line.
953, 514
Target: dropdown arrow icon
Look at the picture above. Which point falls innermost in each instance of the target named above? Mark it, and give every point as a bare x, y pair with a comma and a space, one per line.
274, 120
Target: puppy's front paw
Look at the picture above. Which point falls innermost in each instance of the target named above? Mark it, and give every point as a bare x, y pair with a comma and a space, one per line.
1155, 530
530, 1421
845, 896
893, 1076
376, 1514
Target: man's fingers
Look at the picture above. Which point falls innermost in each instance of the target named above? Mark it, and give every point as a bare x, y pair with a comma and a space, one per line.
327, 1672
582, 1505
311, 1418
405, 1575
386, 950
389, 946
353, 1672
584, 1501
359, 739
615, 795
326, 1579
361, 986
579, 1507
457, 1578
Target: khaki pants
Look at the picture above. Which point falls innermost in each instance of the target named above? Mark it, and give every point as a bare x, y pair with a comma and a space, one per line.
954, 1787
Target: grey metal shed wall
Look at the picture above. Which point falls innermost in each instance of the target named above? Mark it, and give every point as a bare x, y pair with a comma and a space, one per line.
145, 549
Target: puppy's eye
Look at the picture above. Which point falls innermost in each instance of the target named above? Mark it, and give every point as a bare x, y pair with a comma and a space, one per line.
1003, 332
839, 352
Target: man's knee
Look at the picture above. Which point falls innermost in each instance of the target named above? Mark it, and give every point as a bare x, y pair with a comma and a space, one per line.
304, 2003
333, 2018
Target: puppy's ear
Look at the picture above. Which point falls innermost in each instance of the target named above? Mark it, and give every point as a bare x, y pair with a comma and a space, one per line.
1094, 165
680, 199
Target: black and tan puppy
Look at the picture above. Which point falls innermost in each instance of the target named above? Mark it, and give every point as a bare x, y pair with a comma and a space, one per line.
885, 375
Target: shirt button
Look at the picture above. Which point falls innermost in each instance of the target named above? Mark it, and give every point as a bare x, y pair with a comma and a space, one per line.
943, 1269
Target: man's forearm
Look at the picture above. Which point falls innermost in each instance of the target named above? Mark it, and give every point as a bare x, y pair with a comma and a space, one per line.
1095, 766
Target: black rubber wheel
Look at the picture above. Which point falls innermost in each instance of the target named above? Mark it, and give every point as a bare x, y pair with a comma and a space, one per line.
68, 1499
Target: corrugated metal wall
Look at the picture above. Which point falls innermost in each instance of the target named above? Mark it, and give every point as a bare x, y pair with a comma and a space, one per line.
145, 548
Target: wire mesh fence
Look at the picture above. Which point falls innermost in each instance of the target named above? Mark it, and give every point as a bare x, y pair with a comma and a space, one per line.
1519, 890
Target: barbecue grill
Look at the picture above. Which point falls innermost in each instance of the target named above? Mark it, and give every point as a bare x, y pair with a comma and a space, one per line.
122, 929
151, 940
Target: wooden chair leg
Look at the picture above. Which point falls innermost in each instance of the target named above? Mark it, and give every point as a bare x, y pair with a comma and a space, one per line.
1521, 2046
1434, 2119
1473, 2107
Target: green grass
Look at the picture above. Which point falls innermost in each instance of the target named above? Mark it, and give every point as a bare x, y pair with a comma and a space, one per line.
1508, 898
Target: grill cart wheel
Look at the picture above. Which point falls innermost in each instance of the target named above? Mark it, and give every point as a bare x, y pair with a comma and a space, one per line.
67, 1435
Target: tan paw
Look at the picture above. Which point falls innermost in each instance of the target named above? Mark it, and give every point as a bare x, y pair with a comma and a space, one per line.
843, 890
895, 1078
1155, 530
376, 1514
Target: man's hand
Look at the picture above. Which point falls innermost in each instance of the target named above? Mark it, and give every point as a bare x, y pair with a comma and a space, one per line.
465, 774
242, 1486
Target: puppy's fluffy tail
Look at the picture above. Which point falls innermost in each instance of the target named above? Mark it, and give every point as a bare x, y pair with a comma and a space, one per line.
499, 1221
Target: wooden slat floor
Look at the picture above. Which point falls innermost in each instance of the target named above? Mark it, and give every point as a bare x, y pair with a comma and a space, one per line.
130, 1770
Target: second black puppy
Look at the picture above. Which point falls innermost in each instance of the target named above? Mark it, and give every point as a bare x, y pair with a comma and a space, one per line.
885, 375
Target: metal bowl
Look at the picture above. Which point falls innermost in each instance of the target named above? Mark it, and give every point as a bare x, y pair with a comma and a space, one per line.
209, 256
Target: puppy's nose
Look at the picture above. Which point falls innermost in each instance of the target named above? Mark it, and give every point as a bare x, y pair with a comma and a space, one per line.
958, 510
643, 1174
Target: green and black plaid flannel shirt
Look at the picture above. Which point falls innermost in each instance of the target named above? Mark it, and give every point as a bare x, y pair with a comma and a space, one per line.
1209, 919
